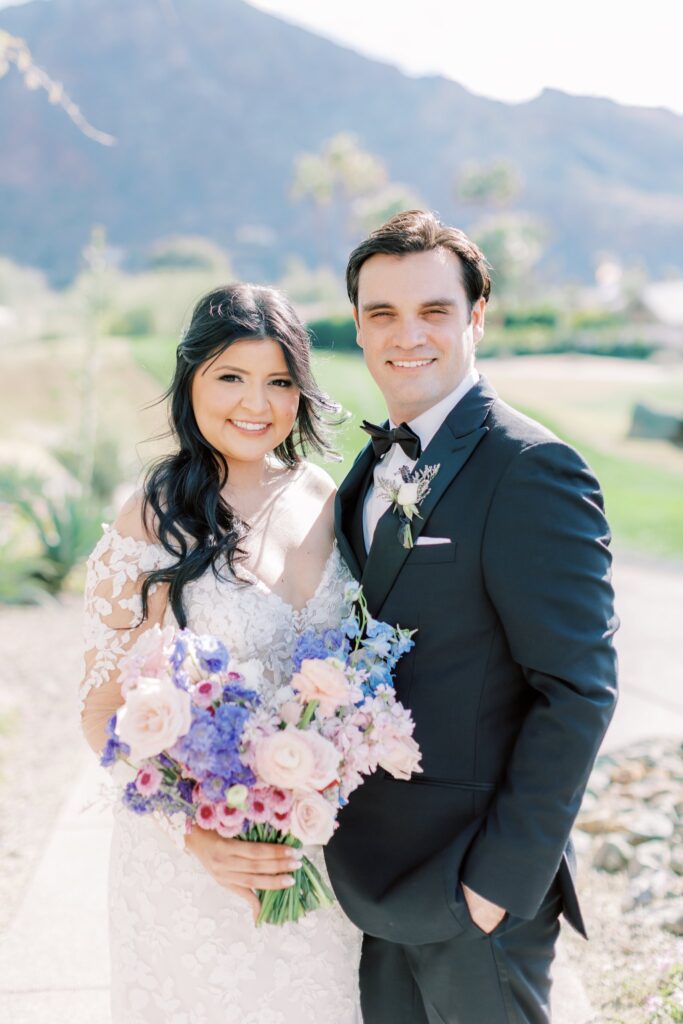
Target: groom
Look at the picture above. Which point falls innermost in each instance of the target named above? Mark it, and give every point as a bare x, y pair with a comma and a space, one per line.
458, 876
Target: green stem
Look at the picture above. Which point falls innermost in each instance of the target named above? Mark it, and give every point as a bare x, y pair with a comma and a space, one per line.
307, 716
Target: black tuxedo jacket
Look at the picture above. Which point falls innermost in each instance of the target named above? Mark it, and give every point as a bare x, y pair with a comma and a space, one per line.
512, 680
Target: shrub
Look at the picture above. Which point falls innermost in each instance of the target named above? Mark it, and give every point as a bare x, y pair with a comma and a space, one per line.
338, 333
132, 323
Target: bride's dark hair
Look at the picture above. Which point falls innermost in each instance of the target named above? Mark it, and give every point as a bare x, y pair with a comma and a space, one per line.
191, 519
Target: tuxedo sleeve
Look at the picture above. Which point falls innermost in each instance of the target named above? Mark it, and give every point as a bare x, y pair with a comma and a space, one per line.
547, 570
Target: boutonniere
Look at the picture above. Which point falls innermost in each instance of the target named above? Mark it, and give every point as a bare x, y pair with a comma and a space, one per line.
406, 493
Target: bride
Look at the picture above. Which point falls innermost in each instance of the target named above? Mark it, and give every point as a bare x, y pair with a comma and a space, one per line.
231, 535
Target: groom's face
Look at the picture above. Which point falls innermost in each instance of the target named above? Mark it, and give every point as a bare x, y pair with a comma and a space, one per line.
416, 328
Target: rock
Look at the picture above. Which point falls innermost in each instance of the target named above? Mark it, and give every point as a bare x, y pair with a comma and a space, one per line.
599, 780
673, 921
676, 860
649, 789
649, 825
583, 843
645, 889
649, 857
600, 821
628, 771
613, 854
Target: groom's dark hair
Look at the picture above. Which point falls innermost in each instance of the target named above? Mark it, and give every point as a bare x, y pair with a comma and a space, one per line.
420, 231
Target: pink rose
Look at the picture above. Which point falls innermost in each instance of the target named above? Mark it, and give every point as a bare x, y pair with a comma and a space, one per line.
312, 819
155, 715
206, 816
285, 759
322, 680
290, 712
148, 781
229, 821
400, 756
326, 768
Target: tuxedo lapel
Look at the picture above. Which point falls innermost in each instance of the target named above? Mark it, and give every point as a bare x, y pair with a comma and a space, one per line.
450, 449
348, 511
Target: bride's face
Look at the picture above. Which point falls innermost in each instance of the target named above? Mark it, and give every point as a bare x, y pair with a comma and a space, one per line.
244, 400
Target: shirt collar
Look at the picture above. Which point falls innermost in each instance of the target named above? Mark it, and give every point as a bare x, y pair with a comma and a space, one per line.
427, 423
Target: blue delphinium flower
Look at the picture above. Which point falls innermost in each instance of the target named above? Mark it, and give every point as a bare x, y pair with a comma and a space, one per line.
351, 627
214, 788
179, 650
334, 640
380, 675
378, 639
309, 645
229, 720
235, 692
211, 654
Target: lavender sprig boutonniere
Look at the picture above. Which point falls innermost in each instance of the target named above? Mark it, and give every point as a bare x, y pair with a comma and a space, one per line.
406, 492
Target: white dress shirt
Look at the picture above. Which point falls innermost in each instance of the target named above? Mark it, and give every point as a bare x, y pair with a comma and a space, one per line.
425, 426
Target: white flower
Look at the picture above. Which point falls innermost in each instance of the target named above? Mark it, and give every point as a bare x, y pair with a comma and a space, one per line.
408, 494
251, 671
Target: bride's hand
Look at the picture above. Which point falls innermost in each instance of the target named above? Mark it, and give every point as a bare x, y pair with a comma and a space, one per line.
243, 866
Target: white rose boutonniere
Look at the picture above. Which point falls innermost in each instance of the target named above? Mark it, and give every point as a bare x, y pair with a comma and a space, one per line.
406, 493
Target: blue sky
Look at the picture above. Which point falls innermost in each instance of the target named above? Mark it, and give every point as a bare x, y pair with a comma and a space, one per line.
630, 53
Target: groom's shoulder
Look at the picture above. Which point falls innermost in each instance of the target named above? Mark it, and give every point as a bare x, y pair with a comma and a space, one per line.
513, 433
515, 429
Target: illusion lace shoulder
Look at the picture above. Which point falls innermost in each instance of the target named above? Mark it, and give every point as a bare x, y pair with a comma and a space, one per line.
183, 949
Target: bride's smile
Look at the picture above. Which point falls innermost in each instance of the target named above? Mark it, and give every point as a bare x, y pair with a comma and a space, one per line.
245, 401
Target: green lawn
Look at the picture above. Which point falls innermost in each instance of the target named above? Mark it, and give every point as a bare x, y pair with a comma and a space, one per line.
642, 481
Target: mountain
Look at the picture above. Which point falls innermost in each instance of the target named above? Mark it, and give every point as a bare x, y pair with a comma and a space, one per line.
211, 101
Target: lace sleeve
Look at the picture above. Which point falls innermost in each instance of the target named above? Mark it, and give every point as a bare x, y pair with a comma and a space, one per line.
115, 572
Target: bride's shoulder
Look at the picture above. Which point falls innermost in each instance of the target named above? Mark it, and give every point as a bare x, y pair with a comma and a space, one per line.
136, 521
317, 481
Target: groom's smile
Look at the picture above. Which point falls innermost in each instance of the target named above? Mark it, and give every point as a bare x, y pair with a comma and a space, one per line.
416, 328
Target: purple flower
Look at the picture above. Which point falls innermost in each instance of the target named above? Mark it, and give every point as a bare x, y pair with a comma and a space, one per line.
113, 748
185, 788
135, 801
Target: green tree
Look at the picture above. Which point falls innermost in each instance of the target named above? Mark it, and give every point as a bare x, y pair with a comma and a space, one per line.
349, 190
512, 240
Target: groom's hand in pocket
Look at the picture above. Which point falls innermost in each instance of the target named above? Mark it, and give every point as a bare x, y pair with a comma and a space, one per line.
485, 914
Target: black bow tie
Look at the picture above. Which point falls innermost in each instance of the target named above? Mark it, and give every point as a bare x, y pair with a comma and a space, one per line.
383, 439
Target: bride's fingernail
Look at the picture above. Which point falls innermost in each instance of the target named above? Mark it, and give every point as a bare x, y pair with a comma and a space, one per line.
288, 880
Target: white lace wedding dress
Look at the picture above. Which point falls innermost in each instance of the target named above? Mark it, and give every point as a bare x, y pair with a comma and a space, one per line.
184, 950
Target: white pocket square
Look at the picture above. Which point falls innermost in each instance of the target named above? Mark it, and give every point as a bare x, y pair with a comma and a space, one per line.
433, 540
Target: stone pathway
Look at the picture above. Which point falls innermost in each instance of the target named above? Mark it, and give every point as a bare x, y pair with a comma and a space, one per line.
53, 956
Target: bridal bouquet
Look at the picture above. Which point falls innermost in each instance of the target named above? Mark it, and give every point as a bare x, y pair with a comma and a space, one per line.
200, 745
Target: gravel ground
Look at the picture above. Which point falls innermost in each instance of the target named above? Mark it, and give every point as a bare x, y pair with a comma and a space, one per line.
40, 740
632, 970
